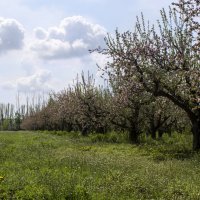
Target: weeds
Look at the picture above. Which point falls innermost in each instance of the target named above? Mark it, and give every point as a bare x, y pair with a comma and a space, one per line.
60, 166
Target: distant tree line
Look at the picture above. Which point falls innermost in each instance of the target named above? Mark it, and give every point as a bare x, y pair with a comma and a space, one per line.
12, 116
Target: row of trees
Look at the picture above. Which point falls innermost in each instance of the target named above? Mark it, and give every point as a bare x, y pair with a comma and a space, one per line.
153, 76
88, 108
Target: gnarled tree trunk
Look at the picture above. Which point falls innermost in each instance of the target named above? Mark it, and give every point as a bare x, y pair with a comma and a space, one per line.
196, 134
134, 131
134, 134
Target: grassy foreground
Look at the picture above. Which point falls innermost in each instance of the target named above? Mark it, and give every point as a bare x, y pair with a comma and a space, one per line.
46, 166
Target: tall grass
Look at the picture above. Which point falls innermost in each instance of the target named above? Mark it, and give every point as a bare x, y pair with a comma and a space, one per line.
49, 166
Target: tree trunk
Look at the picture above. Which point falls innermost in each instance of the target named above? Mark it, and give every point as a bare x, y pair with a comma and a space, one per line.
134, 134
160, 133
153, 134
85, 130
134, 131
152, 129
196, 134
133, 137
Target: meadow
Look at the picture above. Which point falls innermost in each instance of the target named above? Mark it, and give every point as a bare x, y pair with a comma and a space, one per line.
57, 165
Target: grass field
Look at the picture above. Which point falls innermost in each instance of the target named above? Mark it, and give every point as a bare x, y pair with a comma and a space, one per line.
48, 166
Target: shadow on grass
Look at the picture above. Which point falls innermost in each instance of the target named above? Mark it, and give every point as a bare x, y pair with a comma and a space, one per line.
163, 152
174, 154
178, 147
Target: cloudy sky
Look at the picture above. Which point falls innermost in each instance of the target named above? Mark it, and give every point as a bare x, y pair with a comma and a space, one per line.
45, 43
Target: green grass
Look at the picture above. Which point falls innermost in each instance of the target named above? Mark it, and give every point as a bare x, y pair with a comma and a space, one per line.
61, 166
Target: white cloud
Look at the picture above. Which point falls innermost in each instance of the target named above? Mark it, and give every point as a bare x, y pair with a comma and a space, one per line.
37, 82
72, 38
40, 33
11, 35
